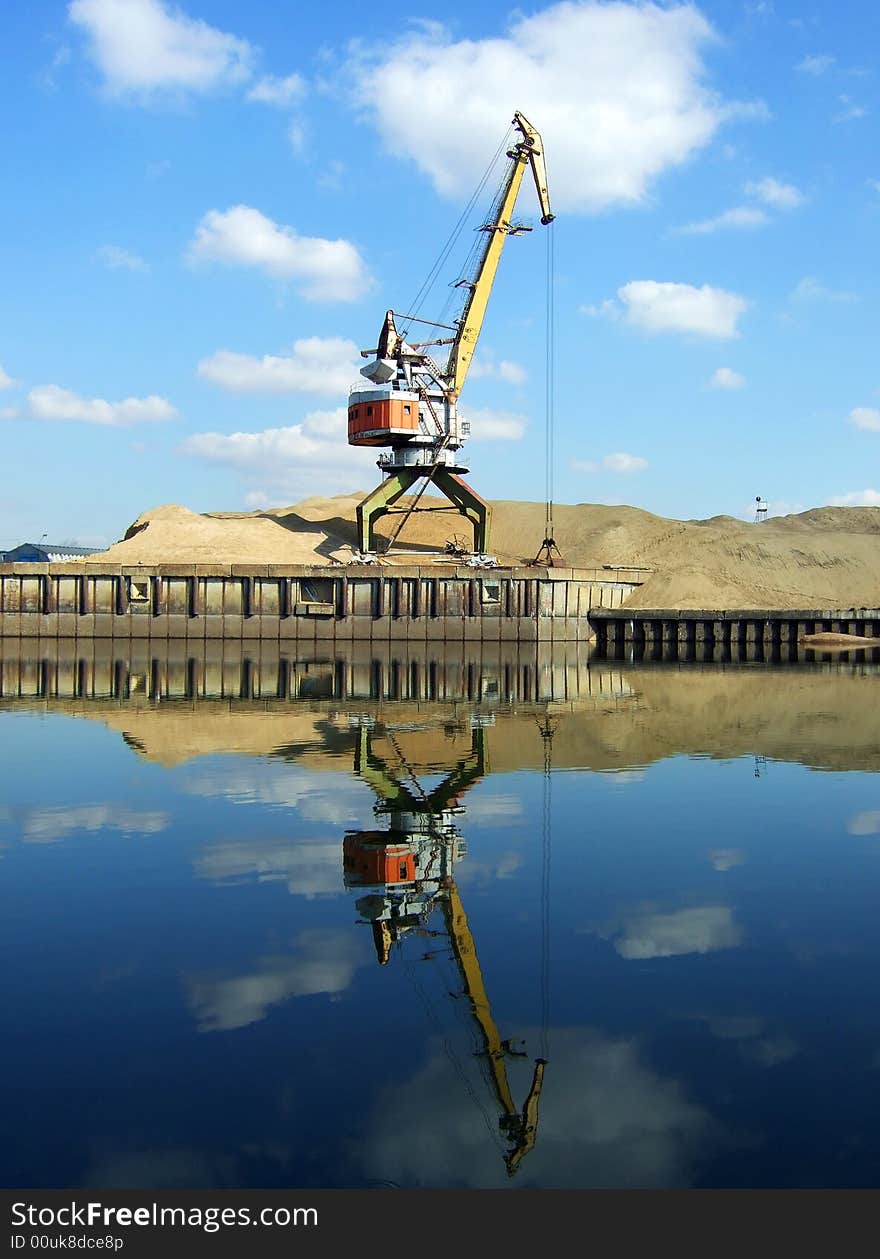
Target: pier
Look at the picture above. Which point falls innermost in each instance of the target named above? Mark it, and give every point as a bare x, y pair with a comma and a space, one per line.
296, 604
419, 604
753, 634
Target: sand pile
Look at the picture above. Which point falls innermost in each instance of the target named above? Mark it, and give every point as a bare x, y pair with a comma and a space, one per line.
172, 533
827, 557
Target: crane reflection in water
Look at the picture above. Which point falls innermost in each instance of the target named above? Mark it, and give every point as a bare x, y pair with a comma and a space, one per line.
406, 868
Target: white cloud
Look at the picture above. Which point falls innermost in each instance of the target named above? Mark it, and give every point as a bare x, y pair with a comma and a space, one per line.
270, 448
494, 810
486, 366
308, 868
47, 825
325, 961
6, 381
309, 457
51, 402
327, 270
857, 498
770, 1050
296, 135
144, 47
47, 77
302, 458
734, 1026
726, 858
314, 796
511, 373
810, 290
726, 378
656, 306
866, 417
332, 178
867, 823
479, 873
118, 259
607, 1119
280, 92
617, 462
701, 930
770, 191
259, 500
816, 64
9, 413
741, 216
609, 309
624, 463
320, 365
495, 426
754, 1042
850, 110
773, 192
616, 89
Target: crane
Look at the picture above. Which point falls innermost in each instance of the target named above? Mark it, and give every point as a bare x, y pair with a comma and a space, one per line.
410, 404
411, 869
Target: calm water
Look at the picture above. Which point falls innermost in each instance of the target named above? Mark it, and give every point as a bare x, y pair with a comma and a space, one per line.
542, 922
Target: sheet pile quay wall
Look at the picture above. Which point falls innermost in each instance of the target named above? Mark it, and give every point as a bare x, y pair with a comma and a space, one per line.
296, 604
765, 627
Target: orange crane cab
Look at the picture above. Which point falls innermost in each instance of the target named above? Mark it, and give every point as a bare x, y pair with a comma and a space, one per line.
377, 415
369, 859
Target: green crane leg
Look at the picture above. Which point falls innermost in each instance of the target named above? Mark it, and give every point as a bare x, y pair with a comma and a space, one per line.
469, 503
383, 498
378, 503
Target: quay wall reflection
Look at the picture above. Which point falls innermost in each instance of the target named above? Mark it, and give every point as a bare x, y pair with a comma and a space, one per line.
610, 715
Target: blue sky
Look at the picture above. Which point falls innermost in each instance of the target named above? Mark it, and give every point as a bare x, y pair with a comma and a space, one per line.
208, 208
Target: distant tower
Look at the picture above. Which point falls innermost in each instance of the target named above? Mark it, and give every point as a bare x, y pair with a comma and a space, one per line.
760, 509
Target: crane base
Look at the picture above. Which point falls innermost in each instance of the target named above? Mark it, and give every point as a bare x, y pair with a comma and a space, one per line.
451, 486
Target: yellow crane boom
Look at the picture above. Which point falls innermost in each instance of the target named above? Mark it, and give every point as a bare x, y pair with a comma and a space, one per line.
529, 150
520, 1129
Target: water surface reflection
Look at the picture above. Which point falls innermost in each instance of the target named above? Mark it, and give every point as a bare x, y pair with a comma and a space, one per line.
522, 919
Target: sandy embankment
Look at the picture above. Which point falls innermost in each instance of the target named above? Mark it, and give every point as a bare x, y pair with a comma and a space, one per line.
828, 557
826, 720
